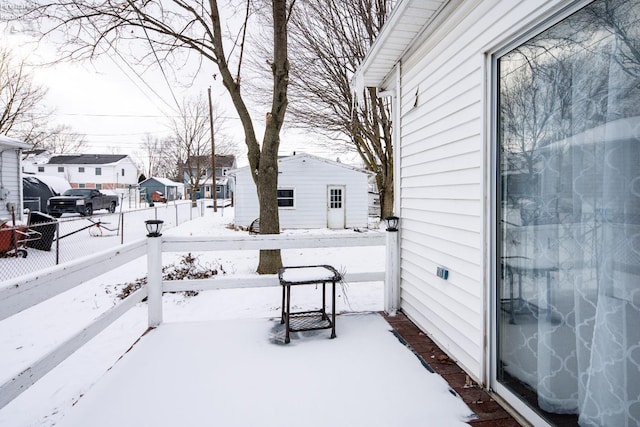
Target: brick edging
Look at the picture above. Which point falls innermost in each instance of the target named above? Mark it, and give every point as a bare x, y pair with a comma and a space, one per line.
488, 411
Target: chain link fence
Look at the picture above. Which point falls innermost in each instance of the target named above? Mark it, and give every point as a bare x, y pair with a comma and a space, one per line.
46, 242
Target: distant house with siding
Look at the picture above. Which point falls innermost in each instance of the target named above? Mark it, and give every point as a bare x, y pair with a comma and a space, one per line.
200, 166
11, 178
99, 171
171, 190
312, 193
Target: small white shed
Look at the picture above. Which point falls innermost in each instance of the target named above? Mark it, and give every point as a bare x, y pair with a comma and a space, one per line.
312, 193
11, 177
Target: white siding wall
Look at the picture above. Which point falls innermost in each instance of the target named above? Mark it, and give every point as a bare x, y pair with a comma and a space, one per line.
11, 191
246, 200
309, 177
444, 169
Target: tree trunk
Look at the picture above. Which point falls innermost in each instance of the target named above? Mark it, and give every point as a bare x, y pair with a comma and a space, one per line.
263, 162
271, 260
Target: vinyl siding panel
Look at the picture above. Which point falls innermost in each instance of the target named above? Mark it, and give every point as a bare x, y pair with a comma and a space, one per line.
11, 182
246, 200
443, 165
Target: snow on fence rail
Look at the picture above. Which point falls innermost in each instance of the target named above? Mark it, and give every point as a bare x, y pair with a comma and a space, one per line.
27, 291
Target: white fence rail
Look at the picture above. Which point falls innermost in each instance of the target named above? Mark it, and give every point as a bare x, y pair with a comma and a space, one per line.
28, 291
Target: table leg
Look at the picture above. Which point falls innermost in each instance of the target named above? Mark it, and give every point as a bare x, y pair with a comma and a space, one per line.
324, 302
282, 311
287, 315
333, 309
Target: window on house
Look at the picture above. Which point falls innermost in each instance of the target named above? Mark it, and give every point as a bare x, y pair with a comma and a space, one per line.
40, 168
60, 168
82, 185
286, 198
122, 172
81, 169
568, 218
98, 186
98, 171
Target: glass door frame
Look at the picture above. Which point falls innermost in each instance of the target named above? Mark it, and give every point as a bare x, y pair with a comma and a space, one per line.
504, 394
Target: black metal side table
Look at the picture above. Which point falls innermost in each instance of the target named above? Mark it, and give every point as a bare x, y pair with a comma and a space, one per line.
314, 319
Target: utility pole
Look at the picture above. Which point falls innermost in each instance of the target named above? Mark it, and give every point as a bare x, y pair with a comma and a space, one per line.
214, 191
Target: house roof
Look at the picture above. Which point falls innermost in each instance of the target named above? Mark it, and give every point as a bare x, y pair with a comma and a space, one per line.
285, 159
86, 159
222, 161
409, 18
163, 181
14, 143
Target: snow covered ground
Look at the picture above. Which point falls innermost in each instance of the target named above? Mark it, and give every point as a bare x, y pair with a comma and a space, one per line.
218, 358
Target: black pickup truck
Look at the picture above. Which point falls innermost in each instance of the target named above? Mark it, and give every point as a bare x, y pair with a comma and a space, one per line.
81, 200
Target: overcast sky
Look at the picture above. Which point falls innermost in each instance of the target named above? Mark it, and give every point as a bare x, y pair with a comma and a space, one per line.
106, 101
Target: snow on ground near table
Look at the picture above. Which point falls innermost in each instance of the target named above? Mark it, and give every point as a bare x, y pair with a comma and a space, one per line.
231, 373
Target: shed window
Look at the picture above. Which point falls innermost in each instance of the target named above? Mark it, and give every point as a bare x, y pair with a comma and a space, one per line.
286, 198
40, 168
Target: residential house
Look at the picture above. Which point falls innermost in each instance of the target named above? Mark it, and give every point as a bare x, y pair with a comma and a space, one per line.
517, 152
11, 178
99, 171
170, 189
312, 193
200, 167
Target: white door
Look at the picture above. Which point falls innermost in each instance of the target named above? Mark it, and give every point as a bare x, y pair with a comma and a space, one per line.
335, 206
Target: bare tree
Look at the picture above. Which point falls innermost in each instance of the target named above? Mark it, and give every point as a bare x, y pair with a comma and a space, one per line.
169, 29
22, 114
191, 137
330, 39
62, 140
160, 155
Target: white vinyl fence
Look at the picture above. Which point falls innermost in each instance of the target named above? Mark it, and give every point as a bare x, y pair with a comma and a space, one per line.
26, 291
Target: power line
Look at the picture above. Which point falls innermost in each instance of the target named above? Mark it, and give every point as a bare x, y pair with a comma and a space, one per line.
134, 116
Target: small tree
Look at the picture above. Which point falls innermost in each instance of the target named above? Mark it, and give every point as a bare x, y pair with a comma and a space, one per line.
191, 136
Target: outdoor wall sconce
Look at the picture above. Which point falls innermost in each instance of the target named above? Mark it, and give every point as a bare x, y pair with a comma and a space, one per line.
154, 227
392, 223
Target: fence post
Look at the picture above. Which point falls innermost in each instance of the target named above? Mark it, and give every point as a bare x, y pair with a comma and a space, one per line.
121, 223
57, 242
154, 278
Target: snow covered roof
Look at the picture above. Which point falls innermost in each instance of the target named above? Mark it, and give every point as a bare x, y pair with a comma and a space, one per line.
57, 184
13, 143
286, 159
164, 181
220, 180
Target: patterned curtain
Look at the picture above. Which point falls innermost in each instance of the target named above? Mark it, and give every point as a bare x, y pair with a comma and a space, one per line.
570, 167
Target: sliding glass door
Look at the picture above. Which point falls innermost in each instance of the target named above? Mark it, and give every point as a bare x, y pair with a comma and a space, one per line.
568, 226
